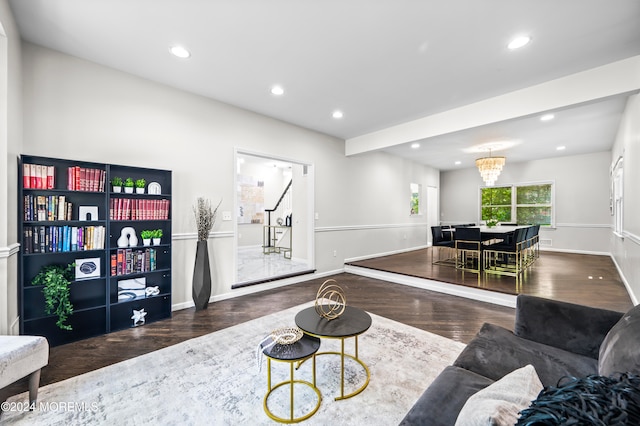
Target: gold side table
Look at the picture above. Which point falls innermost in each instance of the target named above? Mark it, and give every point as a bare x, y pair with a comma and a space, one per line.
351, 323
297, 352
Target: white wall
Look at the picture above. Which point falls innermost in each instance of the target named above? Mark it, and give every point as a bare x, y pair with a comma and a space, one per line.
581, 198
80, 110
10, 147
626, 250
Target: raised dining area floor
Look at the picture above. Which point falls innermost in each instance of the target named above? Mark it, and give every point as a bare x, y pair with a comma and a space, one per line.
586, 279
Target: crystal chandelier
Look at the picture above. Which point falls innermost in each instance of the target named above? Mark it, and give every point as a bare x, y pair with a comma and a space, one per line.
490, 168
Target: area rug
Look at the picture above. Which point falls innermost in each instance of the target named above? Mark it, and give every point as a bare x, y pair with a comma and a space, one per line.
219, 379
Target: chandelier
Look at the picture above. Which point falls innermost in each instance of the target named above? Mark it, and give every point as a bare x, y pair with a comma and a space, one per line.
490, 168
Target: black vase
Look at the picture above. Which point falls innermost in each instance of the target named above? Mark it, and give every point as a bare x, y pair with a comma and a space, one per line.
201, 288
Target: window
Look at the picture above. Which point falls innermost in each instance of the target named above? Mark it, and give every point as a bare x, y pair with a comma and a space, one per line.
496, 203
415, 189
524, 204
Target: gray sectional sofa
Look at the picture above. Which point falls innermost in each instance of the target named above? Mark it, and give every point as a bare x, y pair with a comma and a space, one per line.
559, 339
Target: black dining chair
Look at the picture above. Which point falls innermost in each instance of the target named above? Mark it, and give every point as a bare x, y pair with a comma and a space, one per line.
507, 257
441, 238
468, 245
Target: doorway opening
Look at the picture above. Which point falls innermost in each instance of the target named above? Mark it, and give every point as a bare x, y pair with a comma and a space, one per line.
274, 218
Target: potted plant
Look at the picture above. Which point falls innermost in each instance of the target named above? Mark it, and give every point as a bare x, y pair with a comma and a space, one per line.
156, 235
117, 184
146, 235
491, 222
140, 183
128, 185
56, 280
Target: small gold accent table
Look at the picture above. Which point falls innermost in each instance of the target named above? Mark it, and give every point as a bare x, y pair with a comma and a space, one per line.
351, 323
299, 351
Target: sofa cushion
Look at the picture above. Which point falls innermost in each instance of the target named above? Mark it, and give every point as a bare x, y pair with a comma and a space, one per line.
442, 400
574, 328
501, 402
620, 350
495, 352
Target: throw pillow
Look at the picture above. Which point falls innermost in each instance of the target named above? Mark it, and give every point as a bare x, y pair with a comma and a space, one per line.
500, 402
621, 346
592, 400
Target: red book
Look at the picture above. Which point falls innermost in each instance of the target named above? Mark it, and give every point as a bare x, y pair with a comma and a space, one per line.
95, 175
32, 175
38, 177
26, 175
51, 177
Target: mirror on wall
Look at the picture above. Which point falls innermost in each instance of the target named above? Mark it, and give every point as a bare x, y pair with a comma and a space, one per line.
274, 218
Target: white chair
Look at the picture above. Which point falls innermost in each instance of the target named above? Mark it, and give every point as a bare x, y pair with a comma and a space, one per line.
22, 356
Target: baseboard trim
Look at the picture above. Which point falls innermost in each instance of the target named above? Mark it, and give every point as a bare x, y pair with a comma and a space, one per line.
389, 253
495, 298
627, 286
243, 291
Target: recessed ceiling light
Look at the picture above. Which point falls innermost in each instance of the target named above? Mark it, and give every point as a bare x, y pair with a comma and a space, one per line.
337, 114
457, 163
561, 148
519, 42
180, 52
415, 145
547, 117
277, 90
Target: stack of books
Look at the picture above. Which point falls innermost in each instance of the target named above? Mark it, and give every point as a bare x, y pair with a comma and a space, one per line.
53, 239
84, 179
131, 261
138, 209
38, 176
47, 207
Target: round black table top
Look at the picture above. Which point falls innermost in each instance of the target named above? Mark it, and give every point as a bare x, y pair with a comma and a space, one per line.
303, 348
352, 322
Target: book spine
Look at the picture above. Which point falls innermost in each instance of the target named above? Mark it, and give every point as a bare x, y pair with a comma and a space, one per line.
51, 177
114, 264
26, 176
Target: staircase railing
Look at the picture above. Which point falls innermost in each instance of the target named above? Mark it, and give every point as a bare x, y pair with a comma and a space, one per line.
271, 240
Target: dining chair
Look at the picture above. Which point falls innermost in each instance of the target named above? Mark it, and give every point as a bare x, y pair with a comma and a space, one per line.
468, 245
441, 238
506, 258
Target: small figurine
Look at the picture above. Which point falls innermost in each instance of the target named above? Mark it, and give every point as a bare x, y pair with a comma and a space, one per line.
138, 317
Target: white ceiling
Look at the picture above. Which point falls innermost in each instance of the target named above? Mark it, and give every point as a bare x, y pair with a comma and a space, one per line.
382, 62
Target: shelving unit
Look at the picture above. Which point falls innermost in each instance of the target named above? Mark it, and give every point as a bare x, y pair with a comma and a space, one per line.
97, 309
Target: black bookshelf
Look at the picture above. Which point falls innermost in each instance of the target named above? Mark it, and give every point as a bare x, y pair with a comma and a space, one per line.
50, 205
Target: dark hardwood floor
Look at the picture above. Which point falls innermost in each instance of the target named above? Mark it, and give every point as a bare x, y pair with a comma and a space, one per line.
590, 280
562, 277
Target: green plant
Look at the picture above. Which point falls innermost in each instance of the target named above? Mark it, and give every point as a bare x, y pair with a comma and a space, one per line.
491, 223
56, 279
128, 183
116, 181
146, 234
140, 183
157, 233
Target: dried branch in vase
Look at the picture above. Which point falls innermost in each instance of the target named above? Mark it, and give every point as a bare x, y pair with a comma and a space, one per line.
205, 217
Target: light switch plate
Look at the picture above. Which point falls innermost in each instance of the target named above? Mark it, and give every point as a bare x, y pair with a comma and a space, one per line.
226, 215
